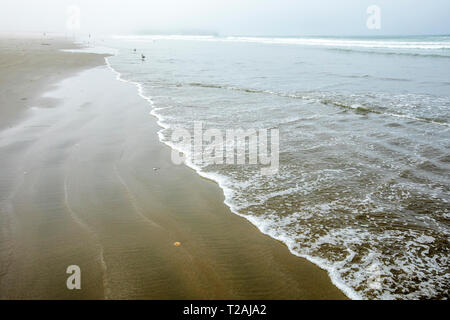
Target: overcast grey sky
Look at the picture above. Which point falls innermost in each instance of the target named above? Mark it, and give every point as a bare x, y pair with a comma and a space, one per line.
229, 17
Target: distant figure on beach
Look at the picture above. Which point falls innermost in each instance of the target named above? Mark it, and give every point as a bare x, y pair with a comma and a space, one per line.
134, 50
142, 57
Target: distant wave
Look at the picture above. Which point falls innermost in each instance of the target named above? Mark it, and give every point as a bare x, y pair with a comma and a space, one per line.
390, 53
364, 109
391, 44
365, 76
330, 42
322, 100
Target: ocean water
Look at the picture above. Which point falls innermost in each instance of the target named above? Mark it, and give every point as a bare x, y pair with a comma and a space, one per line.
363, 185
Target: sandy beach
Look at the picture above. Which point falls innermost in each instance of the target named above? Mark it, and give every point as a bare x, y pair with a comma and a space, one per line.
85, 181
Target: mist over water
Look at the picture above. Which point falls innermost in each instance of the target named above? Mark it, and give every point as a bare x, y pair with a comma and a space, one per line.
363, 185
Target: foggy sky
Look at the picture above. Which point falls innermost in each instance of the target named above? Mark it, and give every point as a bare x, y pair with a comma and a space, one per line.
229, 17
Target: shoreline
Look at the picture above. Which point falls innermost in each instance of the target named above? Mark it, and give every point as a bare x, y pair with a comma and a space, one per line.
133, 212
348, 291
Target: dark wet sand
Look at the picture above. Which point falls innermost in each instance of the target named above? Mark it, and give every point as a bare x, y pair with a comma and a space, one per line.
78, 187
30, 64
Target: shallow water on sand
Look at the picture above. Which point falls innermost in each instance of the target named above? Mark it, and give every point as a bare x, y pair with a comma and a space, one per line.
363, 184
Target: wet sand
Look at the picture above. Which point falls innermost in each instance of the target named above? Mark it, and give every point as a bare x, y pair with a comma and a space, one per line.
85, 181
30, 64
